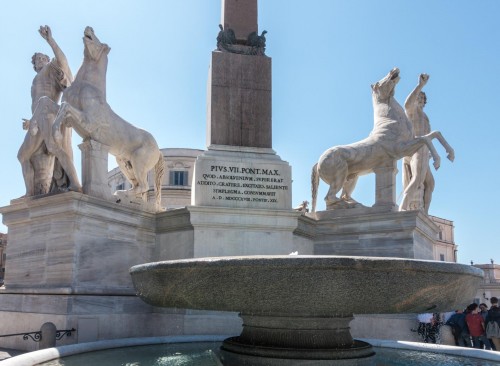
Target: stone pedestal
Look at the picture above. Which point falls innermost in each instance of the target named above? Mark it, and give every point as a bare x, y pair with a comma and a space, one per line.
385, 186
100, 317
197, 232
244, 177
68, 263
75, 243
95, 169
374, 232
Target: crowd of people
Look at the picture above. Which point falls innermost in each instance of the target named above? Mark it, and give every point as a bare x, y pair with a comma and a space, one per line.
476, 326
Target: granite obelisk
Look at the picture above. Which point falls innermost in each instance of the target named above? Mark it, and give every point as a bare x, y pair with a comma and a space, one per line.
240, 169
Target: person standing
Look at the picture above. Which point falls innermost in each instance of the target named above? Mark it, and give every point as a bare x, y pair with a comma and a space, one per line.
476, 326
483, 310
494, 316
459, 329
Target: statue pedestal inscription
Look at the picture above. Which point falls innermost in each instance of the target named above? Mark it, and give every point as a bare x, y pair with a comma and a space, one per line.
242, 177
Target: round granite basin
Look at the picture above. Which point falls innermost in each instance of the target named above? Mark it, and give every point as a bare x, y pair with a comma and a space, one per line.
296, 310
307, 285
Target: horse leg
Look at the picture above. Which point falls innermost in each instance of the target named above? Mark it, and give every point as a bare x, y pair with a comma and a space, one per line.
142, 187
408, 148
142, 162
442, 140
337, 181
348, 187
67, 114
126, 168
59, 120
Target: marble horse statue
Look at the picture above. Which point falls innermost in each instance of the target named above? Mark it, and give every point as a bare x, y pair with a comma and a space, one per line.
84, 107
391, 139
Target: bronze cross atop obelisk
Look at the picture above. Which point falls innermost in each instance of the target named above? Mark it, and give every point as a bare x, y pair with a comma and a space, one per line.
241, 17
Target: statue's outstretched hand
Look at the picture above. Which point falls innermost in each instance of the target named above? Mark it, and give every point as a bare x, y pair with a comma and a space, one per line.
422, 79
45, 32
26, 124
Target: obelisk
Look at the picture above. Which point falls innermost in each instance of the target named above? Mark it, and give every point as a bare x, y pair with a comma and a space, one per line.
240, 169
239, 98
240, 16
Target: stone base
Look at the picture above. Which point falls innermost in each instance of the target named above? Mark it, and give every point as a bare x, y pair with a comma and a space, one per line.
69, 256
68, 263
102, 317
72, 243
235, 354
242, 177
375, 233
385, 326
196, 232
291, 340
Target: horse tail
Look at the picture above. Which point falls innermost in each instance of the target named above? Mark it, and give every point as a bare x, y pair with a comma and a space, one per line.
159, 172
314, 186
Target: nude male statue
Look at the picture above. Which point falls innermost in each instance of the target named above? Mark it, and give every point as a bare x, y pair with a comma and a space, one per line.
418, 182
39, 154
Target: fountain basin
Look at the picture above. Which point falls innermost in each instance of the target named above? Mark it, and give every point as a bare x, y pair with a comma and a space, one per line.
307, 285
299, 307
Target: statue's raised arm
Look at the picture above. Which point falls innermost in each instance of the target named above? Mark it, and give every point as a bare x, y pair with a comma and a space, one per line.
60, 61
411, 102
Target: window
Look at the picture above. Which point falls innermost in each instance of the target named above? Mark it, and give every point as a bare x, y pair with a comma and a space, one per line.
178, 178
120, 187
441, 257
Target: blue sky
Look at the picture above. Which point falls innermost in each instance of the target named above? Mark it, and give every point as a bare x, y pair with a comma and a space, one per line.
325, 55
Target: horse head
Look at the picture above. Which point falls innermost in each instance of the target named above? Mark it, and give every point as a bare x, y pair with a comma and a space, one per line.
94, 49
384, 89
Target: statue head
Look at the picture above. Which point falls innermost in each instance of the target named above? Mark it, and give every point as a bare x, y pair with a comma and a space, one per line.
384, 89
39, 60
94, 49
422, 99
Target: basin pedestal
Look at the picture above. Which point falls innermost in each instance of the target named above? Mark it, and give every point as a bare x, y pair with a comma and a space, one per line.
289, 340
296, 310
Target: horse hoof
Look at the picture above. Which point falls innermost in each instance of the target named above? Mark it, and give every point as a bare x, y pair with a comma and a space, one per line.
75, 188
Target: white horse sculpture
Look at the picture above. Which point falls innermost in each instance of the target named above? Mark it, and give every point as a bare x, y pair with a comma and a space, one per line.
84, 107
391, 139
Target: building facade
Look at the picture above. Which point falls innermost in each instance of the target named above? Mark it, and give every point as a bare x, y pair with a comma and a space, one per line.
491, 283
445, 249
176, 186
